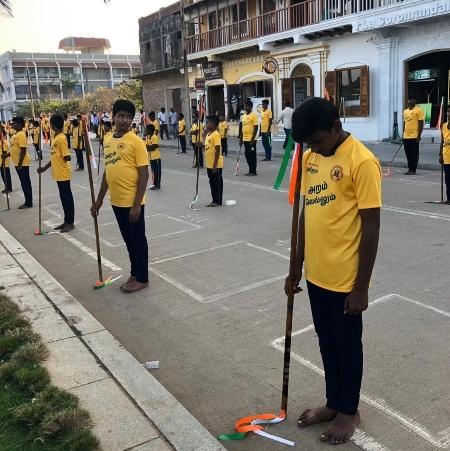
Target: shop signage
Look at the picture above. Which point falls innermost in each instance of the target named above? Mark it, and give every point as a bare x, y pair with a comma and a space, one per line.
401, 15
199, 84
423, 74
212, 70
270, 65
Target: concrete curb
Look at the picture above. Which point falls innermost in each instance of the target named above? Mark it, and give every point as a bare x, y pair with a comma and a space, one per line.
175, 423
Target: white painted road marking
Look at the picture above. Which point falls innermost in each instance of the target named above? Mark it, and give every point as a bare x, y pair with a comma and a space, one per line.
425, 214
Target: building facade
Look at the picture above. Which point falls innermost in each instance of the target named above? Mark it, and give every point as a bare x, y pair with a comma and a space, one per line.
367, 55
60, 75
161, 48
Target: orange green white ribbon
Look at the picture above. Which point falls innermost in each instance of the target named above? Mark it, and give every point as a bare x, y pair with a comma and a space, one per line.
253, 423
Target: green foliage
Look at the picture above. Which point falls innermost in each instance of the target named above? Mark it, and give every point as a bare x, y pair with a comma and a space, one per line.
131, 90
50, 106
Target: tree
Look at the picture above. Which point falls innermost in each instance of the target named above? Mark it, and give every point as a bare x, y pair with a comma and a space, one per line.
101, 99
68, 84
50, 106
131, 90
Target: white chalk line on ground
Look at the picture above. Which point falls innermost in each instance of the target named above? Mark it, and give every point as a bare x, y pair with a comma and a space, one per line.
425, 214
87, 250
379, 404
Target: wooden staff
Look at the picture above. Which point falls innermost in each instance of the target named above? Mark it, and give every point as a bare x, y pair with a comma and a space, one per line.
292, 270
91, 186
40, 182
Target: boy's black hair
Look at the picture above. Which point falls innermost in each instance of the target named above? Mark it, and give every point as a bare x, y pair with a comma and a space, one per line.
152, 113
287, 103
19, 120
249, 103
213, 118
75, 122
133, 125
124, 105
180, 115
79, 117
265, 101
107, 124
36, 123
57, 121
65, 116
411, 97
312, 115
149, 129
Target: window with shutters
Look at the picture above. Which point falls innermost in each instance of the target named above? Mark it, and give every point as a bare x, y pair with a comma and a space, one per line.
350, 91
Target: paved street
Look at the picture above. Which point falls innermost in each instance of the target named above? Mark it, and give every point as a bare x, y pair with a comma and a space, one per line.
214, 314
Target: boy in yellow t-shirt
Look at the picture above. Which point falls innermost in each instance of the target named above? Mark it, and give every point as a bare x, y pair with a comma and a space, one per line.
21, 160
126, 177
413, 118
154, 155
444, 153
265, 130
67, 130
197, 140
223, 130
182, 132
248, 128
134, 128
78, 142
337, 241
154, 122
214, 160
37, 138
61, 171
5, 161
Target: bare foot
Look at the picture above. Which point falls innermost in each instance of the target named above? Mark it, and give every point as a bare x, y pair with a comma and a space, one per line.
134, 286
341, 430
317, 415
130, 279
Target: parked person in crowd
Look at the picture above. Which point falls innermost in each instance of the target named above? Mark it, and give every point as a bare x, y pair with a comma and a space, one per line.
223, 130
37, 139
21, 160
61, 172
214, 160
266, 129
286, 119
154, 154
134, 128
126, 177
173, 121
444, 153
182, 132
67, 129
163, 122
197, 140
413, 118
337, 243
248, 129
78, 142
5, 161
154, 122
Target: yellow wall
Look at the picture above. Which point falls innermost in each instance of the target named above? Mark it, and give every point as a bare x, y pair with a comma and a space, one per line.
233, 71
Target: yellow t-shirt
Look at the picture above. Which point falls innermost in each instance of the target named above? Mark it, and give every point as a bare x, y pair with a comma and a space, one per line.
335, 188
36, 133
411, 119
134, 130
122, 158
155, 124
67, 127
249, 122
223, 127
446, 143
61, 169
212, 140
19, 140
154, 154
182, 126
198, 135
107, 136
77, 138
265, 119
46, 125
5, 149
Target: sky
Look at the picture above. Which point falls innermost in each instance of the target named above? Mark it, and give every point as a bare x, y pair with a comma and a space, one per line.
39, 25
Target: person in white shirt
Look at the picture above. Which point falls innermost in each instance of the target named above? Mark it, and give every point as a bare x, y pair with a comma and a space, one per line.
173, 121
162, 118
286, 118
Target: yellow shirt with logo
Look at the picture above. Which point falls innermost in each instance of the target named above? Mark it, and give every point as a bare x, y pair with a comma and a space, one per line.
122, 158
61, 169
107, 136
152, 140
223, 127
335, 188
19, 140
249, 122
182, 126
411, 120
446, 143
265, 120
155, 124
198, 135
67, 127
5, 149
212, 140
36, 133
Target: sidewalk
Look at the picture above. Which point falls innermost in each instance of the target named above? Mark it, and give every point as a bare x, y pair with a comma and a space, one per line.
383, 150
130, 408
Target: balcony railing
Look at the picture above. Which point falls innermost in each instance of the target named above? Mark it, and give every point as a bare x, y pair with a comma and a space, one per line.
302, 14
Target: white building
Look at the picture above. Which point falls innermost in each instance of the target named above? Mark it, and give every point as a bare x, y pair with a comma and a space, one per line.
370, 55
